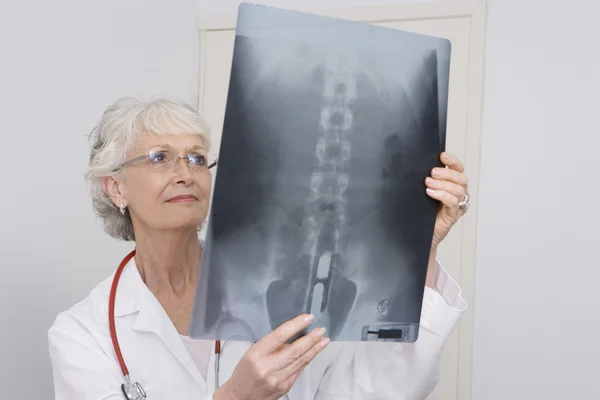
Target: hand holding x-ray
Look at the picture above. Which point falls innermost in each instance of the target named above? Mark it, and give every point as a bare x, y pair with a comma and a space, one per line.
272, 366
450, 187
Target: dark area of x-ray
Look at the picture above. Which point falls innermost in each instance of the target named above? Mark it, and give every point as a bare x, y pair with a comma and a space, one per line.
319, 203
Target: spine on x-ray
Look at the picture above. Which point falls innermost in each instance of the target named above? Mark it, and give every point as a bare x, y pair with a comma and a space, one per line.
326, 206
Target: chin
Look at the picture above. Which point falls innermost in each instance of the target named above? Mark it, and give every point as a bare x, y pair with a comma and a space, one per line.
182, 224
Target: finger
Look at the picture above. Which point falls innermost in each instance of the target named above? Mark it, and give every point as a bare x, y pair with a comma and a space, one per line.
286, 384
447, 199
299, 348
452, 162
301, 362
289, 382
277, 337
447, 174
451, 187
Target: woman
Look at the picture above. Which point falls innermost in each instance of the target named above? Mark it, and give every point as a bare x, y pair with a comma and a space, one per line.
150, 183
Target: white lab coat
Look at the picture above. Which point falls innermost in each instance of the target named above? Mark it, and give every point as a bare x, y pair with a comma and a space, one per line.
85, 366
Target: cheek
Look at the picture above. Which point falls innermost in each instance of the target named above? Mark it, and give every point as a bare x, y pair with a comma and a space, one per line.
205, 185
144, 191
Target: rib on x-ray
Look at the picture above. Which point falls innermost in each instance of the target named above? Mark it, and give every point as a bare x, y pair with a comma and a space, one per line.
319, 205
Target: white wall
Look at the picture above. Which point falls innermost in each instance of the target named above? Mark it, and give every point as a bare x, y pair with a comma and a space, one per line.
225, 7
537, 304
537, 319
61, 63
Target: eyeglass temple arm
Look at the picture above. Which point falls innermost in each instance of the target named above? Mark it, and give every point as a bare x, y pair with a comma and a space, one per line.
136, 159
213, 164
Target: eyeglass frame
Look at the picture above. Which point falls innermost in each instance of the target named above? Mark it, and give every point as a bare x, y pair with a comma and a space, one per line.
146, 156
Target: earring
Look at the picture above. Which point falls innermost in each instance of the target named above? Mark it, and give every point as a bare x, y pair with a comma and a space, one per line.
122, 208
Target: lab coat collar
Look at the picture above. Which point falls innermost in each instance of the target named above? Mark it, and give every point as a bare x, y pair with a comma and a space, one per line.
133, 296
129, 291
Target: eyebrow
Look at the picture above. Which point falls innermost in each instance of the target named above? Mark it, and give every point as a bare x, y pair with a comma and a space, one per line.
168, 146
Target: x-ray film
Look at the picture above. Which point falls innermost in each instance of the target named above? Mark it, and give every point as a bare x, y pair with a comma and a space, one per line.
319, 204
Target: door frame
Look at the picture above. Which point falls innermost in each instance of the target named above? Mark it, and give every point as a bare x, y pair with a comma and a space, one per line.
476, 12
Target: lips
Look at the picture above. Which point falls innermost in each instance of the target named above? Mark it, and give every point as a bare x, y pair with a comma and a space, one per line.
183, 198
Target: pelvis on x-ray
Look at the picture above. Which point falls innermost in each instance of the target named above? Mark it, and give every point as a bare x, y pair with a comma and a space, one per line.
319, 204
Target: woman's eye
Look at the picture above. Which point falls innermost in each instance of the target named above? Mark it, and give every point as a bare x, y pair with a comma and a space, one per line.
158, 157
198, 159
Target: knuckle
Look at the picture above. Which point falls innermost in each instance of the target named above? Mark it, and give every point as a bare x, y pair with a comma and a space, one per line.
264, 375
299, 363
454, 201
282, 387
272, 382
295, 354
303, 360
315, 351
252, 357
445, 197
447, 186
280, 336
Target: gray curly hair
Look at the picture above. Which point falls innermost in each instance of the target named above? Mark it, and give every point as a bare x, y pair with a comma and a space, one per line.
115, 135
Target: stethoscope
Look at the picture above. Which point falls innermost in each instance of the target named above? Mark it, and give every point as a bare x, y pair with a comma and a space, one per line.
133, 390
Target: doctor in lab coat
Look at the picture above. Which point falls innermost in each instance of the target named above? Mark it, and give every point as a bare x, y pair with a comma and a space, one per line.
150, 184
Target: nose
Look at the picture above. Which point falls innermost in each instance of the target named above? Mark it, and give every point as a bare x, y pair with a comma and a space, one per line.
183, 175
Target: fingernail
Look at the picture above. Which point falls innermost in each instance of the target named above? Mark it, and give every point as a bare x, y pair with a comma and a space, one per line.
429, 180
430, 191
321, 332
325, 342
435, 172
309, 317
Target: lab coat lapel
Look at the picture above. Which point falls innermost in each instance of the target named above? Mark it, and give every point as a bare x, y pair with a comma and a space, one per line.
151, 317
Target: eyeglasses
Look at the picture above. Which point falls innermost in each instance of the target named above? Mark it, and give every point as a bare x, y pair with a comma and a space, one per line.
164, 161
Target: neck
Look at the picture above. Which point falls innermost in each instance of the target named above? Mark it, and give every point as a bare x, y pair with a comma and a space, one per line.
168, 261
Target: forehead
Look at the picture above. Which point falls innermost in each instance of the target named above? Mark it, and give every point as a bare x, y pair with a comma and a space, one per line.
179, 142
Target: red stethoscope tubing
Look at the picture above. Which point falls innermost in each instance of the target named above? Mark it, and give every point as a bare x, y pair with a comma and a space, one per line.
111, 312
111, 315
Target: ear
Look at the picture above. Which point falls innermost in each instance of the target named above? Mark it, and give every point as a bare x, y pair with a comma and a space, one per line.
113, 189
